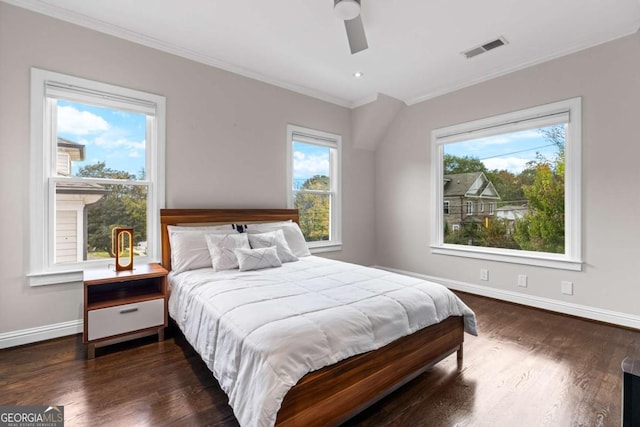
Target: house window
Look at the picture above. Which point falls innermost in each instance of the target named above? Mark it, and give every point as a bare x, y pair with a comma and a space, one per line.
455, 227
528, 165
446, 207
313, 175
97, 163
469, 207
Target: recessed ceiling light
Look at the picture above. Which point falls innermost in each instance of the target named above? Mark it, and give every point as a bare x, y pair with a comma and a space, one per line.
358, 74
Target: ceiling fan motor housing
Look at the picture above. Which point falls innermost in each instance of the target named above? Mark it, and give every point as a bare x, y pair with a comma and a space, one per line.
346, 9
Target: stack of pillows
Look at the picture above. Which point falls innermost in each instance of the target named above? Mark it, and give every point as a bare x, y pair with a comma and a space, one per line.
222, 247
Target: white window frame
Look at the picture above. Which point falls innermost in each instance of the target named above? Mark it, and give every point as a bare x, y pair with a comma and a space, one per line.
447, 207
469, 207
334, 142
42, 268
492, 208
569, 111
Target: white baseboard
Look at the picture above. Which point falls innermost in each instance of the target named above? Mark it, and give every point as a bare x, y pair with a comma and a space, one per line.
41, 333
587, 312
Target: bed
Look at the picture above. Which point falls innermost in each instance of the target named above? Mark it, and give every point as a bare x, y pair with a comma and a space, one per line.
330, 394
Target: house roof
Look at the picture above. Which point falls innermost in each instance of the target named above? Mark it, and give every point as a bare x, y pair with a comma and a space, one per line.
470, 184
75, 150
513, 208
80, 188
458, 184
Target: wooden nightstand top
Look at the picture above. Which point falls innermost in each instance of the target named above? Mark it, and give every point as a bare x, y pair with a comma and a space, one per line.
107, 275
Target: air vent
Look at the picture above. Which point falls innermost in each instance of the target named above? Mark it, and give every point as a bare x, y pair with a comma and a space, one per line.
485, 47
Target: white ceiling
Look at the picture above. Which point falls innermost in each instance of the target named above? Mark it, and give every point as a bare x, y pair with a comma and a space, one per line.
414, 45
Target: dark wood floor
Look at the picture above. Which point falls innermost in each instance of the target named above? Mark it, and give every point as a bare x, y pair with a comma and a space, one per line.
527, 368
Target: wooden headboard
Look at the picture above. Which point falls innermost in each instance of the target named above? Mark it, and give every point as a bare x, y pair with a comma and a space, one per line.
213, 216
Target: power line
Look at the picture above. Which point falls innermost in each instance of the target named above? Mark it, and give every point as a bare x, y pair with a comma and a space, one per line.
517, 152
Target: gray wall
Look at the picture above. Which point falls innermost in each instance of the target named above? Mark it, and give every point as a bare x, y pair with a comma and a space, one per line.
608, 79
226, 145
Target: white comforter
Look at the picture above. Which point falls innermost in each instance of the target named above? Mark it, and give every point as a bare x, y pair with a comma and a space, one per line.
261, 331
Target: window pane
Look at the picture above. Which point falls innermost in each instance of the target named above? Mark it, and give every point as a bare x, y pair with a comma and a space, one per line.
314, 211
86, 214
311, 166
88, 137
520, 176
98, 142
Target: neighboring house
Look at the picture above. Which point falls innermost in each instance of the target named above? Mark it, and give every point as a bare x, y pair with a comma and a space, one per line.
511, 213
72, 198
468, 197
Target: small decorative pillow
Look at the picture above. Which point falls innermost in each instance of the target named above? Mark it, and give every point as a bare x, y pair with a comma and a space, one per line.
221, 248
254, 259
189, 248
273, 238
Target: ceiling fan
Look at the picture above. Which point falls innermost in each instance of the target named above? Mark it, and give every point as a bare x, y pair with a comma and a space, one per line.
349, 12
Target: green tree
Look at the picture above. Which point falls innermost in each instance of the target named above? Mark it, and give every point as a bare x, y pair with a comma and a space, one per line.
471, 233
509, 186
314, 209
543, 228
462, 164
498, 235
123, 206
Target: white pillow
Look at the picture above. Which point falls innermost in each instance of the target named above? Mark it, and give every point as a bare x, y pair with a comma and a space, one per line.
292, 234
189, 249
273, 238
254, 259
221, 247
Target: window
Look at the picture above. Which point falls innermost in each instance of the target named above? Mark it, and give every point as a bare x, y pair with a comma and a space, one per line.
469, 208
446, 207
526, 166
97, 163
313, 187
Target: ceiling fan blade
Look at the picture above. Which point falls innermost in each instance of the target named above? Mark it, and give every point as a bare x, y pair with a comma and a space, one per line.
355, 34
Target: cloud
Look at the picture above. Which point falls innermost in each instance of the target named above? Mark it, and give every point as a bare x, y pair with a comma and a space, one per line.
111, 142
75, 122
306, 165
512, 164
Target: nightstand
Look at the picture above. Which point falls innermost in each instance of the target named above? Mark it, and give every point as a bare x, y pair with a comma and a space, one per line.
122, 305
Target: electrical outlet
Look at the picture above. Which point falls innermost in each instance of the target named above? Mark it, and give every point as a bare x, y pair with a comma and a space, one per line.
522, 280
484, 274
567, 287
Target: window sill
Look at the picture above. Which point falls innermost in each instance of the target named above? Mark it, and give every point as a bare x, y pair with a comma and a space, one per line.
74, 272
556, 261
316, 248
55, 278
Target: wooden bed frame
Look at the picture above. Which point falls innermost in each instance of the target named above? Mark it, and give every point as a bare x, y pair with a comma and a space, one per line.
335, 393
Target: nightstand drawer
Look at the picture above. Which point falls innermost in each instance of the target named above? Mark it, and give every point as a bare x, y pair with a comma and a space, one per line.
120, 319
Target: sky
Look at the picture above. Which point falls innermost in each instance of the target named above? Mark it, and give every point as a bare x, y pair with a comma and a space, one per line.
509, 151
116, 137
309, 160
